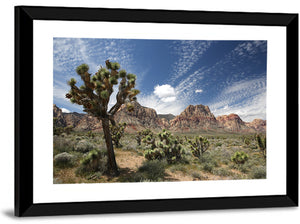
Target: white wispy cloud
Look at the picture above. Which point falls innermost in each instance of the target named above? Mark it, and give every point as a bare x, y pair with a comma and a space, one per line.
68, 53
188, 53
250, 48
245, 98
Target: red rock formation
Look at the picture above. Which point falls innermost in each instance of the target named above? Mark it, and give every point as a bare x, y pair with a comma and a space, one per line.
258, 124
231, 122
194, 118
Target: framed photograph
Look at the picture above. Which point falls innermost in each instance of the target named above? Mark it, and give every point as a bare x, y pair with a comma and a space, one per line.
121, 110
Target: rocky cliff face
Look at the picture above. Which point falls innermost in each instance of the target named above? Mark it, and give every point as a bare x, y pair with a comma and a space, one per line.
140, 118
258, 125
231, 122
193, 118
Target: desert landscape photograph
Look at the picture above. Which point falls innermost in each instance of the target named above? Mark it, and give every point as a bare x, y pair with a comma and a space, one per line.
147, 110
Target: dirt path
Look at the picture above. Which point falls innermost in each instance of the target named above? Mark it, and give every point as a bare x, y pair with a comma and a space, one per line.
128, 159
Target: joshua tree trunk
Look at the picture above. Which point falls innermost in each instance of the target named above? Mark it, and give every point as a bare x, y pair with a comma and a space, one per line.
112, 165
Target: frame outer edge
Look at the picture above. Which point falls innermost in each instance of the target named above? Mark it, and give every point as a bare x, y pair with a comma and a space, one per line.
292, 109
23, 111
24, 16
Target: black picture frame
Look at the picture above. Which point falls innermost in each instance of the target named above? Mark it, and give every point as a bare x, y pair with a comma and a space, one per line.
24, 17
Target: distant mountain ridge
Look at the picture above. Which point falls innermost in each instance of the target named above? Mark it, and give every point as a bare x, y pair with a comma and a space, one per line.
193, 118
167, 116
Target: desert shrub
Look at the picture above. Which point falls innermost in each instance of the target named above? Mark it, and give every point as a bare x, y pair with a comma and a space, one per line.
239, 157
222, 172
152, 170
94, 161
259, 172
84, 146
61, 144
218, 144
179, 167
208, 158
64, 160
196, 175
208, 167
129, 146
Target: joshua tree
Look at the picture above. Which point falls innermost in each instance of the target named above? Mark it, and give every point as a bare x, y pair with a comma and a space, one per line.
142, 134
167, 148
94, 96
199, 146
262, 144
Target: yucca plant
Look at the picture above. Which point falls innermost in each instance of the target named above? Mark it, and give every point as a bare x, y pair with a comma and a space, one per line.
239, 157
167, 148
198, 146
94, 96
262, 143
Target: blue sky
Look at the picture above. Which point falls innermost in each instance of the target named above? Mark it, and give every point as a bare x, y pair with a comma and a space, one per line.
228, 76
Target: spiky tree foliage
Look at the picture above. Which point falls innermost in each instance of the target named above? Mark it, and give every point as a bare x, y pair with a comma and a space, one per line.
240, 157
68, 129
117, 132
142, 134
199, 146
247, 141
150, 140
90, 134
57, 130
94, 96
262, 144
167, 148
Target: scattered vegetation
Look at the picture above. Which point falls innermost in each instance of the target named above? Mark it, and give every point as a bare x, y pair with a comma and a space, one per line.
81, 157
240, 157
93, 162
167, 148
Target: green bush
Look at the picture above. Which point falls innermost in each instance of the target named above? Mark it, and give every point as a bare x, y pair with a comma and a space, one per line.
208, 167
94, 161
259, 172
218, 144
153, 170
222, 172
64, 160
240, 157
84, 146
61, 144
